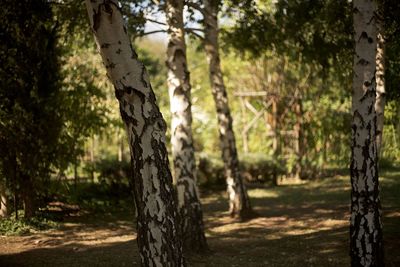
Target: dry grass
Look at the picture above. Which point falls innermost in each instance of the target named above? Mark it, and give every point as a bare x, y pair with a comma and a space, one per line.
299, 225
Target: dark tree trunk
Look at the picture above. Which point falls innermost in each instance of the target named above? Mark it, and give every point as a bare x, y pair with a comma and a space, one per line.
158, 232
28, 196
366, 242
239, 202
299, 142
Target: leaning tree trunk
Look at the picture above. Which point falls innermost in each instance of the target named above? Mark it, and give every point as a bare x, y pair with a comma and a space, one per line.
380, 86
366, 245
157, 227
181, 131
239, 203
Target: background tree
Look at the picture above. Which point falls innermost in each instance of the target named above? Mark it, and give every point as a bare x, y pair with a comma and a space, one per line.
30, 120
181, 130
239, 202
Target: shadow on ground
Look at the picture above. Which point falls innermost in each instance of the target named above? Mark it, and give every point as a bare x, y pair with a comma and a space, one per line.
302, 225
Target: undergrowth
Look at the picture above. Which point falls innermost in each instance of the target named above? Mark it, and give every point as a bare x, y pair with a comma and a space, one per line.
11, 226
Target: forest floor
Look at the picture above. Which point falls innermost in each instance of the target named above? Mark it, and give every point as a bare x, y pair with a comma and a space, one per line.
299, 225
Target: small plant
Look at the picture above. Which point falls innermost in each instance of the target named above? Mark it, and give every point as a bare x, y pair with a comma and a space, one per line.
11, 226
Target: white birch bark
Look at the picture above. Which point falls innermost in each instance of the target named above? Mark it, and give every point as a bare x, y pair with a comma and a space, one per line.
157, 229
365, 223
239, 203
3, 201
181, 130
380, 87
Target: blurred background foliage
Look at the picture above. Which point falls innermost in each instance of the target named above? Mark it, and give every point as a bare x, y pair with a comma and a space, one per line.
296, 56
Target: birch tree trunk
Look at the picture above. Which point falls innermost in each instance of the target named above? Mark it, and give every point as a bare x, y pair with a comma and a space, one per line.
157, 227
380, 86
181, 131
239, 203
366, 245
299, 139
3, 201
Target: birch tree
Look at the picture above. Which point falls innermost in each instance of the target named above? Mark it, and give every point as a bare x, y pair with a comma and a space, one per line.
181, 130
365, 223
380, 84
157, 228
3, 201
239, 203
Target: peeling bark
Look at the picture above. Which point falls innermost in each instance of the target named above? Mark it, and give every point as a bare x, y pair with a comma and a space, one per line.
190, 210
157, 229
366, 245
239, 202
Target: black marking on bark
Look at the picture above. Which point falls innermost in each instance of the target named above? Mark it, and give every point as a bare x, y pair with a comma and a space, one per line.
96, 19
119, 94
107, 7
363, 62
369, 92
133, 55
129, 90
363, 35
111, 65
105, 45
367, 83
118, 51
143, 76
125, 117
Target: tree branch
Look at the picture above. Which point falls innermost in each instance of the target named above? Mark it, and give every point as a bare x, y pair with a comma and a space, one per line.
156, 21
151, 32
192, 31
195, 6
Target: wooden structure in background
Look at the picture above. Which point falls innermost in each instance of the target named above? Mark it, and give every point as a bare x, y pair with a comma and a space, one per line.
276, 110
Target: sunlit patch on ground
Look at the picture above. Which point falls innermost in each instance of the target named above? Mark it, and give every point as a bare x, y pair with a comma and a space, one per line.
302, 225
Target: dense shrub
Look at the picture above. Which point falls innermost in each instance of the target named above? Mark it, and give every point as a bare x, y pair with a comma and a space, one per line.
254, 168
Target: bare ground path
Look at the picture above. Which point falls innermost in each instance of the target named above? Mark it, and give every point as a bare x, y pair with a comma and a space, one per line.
302, 225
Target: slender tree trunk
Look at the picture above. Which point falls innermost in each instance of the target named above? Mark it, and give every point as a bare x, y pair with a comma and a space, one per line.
239, 202
380, 86
299, 142
121, 145
158, 238
366, 244
92, 149
76, 173
28, 196
3, 201
181, 131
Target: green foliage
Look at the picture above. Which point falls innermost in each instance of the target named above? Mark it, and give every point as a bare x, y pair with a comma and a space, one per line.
255, 167
391, 134
113, 171
30, 97
99, 196
10, 226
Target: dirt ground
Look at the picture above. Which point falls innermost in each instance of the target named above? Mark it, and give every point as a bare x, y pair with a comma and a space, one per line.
302, 225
